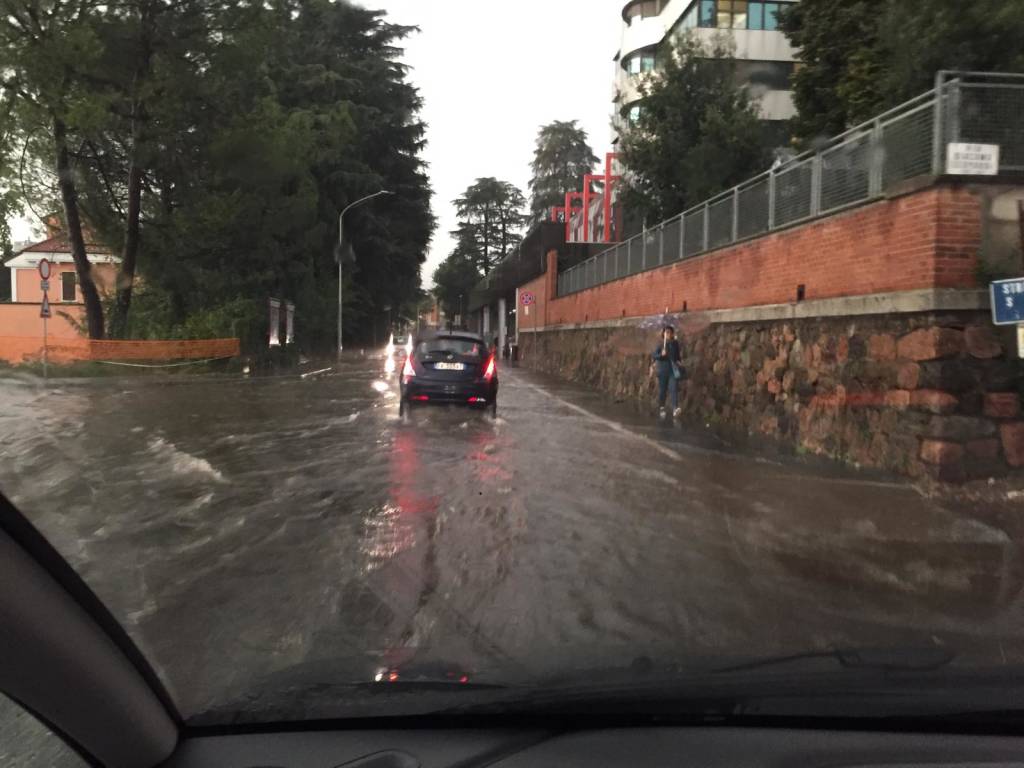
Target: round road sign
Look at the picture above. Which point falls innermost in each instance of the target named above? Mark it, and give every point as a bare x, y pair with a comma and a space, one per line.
44, 269
527, 298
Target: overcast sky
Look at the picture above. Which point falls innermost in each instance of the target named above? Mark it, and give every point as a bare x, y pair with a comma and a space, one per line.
491, 73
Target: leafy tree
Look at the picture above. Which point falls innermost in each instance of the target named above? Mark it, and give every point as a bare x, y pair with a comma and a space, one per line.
862, 57
490, 216
560, 161
215, 143
45, 46
453, 282
698, 132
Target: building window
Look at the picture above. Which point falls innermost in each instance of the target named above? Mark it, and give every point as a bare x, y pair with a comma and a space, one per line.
707, 13
67, 286
732, 14
644, 61
736, 14
763, 15
633, 115
644, 9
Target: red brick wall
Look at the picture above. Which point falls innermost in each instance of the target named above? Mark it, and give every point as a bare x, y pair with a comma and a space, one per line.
926, 239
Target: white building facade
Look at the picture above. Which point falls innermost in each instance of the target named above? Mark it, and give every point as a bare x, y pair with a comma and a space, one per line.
765, 59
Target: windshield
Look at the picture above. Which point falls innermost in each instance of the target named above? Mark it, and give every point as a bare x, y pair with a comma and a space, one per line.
369, 359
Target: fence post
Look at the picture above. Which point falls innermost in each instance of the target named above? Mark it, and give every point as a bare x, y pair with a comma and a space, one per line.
771, 199
953, 116
661, 245
682, 236
629, 255
707, 227
816, 185
735, 214
876, 161
938, 125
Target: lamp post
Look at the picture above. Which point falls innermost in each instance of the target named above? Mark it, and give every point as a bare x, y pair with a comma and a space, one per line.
341, 254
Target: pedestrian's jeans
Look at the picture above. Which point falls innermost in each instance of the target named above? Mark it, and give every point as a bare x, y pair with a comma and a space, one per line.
667, 383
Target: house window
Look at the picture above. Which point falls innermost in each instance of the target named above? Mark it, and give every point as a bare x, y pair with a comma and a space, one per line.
67, 286
634, 114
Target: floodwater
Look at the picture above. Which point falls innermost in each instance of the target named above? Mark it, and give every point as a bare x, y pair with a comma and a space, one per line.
262, 539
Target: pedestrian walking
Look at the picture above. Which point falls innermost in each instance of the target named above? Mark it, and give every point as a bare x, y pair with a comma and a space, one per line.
667, 366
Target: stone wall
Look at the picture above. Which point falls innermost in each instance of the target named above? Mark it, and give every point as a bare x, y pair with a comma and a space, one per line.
935, 393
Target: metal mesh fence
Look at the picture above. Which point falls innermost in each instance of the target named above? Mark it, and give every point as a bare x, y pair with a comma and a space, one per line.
907, 144
845, 173
693, 235
671, 241
753, 204
901, 144
720, 223
793, 193
988, 114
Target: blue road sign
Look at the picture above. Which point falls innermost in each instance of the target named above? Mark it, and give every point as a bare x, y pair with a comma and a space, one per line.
1008, 301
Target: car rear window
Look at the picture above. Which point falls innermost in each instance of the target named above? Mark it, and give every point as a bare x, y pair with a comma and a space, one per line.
461, 347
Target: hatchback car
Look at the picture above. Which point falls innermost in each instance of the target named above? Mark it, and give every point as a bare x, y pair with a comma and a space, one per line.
450, 367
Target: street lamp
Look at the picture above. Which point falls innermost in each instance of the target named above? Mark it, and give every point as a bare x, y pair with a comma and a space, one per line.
341, 253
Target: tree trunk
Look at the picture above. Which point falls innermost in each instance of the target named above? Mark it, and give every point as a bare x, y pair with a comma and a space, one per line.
129, 255
132, 232
69, 196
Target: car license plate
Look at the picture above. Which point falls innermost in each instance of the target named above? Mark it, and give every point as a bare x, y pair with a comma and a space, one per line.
449, 367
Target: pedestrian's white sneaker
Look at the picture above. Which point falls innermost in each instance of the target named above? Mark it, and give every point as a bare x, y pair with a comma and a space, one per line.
677, 412
662, 412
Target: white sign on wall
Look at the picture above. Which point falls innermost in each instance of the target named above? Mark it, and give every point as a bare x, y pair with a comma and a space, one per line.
972, 159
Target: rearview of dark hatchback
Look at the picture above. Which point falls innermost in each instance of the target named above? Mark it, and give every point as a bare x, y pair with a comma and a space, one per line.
455, 367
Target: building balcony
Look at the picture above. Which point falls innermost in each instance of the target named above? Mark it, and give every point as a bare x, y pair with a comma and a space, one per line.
642, 33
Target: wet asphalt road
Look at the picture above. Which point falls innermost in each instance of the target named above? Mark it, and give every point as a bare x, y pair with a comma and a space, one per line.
263, 536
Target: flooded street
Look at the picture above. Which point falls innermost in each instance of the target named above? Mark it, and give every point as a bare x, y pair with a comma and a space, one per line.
257, 536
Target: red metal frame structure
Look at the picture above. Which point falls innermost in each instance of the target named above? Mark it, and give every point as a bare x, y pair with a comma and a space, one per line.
569, 197
608, 179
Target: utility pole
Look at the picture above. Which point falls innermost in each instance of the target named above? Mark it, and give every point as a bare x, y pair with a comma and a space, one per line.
341, 255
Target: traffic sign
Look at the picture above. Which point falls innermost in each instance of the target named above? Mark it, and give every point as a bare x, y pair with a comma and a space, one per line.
44, 309
44, 269
1008, 301
526, 298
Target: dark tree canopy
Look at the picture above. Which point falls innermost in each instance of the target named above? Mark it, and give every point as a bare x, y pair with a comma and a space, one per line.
491, 218
561, 159
212, 146
862, 57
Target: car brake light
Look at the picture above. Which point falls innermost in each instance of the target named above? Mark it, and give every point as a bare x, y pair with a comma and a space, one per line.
491, 367
420, 398
407, 370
